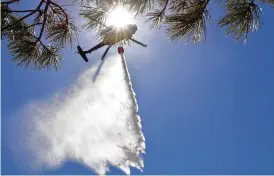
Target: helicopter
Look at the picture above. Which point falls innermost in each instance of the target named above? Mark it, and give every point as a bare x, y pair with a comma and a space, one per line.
111, 37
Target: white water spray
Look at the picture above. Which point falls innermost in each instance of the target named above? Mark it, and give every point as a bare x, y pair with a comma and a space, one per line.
95, 123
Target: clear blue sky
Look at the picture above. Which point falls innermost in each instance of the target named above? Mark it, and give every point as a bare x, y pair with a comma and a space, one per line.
205, 109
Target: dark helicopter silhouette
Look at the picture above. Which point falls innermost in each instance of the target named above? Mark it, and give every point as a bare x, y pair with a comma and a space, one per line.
111, 36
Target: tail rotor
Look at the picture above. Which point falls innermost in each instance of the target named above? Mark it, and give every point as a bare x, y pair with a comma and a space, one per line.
82, 53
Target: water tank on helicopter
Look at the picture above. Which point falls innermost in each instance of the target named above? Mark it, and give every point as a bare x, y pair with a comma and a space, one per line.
120, 50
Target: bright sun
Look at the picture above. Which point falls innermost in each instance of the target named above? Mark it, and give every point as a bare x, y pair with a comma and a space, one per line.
119, 17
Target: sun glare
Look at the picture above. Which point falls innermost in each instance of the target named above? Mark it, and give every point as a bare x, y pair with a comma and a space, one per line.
119, 17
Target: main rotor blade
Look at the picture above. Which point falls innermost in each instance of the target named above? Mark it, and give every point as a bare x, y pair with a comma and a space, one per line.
106, 52
140, 43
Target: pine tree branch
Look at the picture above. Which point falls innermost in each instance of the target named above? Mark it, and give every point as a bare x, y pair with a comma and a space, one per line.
22, 11
24, 17
190, 23
9, 2
57, 5
41, 43
34, 24
242, 18
158, 16
44, 20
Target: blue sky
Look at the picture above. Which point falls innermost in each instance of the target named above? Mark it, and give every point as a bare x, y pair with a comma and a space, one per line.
205, 109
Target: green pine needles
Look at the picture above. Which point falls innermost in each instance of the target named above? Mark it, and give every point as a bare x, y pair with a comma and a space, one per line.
37, 36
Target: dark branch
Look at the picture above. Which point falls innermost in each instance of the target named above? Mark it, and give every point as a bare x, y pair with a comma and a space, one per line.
23, 11
9, 2
44, 20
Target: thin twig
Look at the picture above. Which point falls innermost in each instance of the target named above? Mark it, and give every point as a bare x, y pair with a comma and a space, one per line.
9, 2
44, 20
61, 10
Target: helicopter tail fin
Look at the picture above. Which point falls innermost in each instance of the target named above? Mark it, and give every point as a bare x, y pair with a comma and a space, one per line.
82, 53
